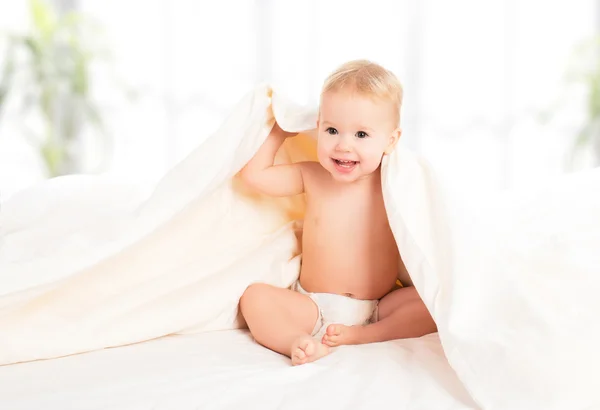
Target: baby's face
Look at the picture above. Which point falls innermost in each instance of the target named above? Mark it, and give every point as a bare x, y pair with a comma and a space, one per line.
354, 132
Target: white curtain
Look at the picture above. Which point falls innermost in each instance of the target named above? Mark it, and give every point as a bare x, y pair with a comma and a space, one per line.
476, 74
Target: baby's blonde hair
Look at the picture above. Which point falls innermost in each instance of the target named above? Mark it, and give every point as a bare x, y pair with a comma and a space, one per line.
367, 78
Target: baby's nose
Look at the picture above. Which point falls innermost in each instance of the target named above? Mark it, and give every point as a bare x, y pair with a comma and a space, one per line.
343, 145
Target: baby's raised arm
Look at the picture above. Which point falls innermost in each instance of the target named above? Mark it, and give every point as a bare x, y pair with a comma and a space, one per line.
274, 180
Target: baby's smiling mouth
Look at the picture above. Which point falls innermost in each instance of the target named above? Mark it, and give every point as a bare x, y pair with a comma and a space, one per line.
344, 163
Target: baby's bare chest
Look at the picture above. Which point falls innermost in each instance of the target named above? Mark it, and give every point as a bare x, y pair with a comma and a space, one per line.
347, 220
352, 242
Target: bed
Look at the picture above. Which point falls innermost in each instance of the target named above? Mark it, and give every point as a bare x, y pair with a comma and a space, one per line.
228, 370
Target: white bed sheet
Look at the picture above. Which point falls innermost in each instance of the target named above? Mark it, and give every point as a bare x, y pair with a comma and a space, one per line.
228, 370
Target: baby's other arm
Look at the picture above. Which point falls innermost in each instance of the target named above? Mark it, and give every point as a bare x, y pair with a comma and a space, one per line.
273, 180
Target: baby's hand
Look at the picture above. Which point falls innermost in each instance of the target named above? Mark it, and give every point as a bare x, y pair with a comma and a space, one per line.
281, 133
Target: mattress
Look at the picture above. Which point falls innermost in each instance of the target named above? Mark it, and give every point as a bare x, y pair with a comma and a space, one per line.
228, 370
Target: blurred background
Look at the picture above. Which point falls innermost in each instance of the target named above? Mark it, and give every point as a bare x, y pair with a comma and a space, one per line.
498, 93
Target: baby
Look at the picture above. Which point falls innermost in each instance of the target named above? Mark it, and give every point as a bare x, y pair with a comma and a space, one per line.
347, 292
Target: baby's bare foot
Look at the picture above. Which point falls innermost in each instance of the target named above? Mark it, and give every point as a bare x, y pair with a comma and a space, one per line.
306, 349
337, 335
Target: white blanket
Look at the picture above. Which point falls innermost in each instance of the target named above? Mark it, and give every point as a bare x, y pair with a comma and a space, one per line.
512, 281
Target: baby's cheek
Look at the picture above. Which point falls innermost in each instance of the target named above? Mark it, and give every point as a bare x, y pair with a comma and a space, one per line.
322, 154
374, 154
321, 150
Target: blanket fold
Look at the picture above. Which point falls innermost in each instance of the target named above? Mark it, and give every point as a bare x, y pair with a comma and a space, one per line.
511, 280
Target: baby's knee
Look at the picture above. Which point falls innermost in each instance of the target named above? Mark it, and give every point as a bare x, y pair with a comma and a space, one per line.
254, 295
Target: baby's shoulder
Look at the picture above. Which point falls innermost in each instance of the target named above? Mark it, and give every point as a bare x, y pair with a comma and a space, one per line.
312, 166
313, 171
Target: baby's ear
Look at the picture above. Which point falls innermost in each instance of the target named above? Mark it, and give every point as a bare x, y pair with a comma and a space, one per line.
393, 140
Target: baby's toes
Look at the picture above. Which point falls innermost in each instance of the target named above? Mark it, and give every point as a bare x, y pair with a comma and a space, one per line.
299, 353
298, 356
332, 336
334, 330
330, 341
309, 347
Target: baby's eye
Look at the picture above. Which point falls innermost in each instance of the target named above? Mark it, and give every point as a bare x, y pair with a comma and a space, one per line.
362, 134
331, 131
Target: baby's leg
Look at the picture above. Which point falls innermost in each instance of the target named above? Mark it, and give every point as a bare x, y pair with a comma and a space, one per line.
402, 315
282, 320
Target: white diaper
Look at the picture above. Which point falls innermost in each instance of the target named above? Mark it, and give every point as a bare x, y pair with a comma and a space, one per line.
339, 309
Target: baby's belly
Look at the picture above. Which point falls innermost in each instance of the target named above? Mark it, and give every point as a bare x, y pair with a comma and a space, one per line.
366, 280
